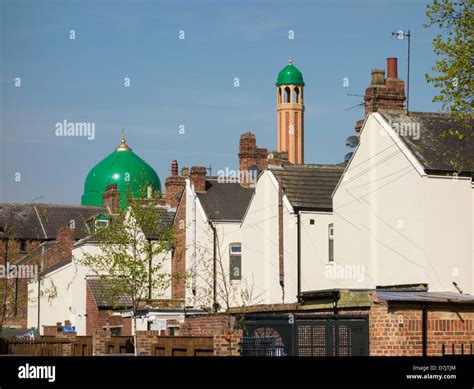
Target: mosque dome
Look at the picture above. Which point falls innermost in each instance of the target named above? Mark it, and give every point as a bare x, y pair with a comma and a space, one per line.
123, 167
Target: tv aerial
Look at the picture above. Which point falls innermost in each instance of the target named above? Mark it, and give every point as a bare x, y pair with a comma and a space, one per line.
357, 105
402, 35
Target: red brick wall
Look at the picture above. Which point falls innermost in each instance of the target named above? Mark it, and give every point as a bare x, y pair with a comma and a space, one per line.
14, 254
178, 258
250, 154
99, 342
397, 331
227, 345
95, 319
197, 176
206, 325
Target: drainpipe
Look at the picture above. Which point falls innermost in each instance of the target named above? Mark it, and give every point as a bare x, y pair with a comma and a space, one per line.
193, 235
214, 268
5, 286
149, 270
39, 286
281, 259
298, 253
424, 329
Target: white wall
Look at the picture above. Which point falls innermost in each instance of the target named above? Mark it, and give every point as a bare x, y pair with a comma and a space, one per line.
402, 226
315, 266
260, 248
200, 277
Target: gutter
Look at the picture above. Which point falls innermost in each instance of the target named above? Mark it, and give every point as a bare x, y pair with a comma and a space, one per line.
215, 305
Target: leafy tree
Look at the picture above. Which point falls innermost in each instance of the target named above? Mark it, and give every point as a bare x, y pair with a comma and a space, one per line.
131, 253
454, 44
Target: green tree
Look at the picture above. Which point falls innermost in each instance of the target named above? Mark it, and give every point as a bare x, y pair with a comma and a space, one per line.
131, 253
454, 46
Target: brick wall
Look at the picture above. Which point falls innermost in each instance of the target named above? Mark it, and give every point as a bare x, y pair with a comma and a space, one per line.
207, 325
178, 258
250, 154
397, 330
145, 341
19, 319
227, 345
95, 319
99, 342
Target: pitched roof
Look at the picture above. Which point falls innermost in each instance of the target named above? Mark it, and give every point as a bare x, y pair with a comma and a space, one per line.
310, 186
164, 217
225, 201
436, 146
41, 221
104, 294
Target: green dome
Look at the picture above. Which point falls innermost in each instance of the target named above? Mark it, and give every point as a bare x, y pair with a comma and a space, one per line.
126, 169
290, 75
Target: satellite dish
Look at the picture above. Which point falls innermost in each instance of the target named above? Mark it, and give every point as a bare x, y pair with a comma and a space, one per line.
348, 156
352, 141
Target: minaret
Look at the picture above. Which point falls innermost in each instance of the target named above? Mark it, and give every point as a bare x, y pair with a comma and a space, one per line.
290, 113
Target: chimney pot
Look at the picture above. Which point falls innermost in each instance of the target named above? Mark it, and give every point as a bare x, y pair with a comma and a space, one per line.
174, 167
392, 71
377, 77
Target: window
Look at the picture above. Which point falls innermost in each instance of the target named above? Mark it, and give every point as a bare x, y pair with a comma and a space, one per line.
22, 246
101, 223
287, 95
296, 95
331, 242
235, 261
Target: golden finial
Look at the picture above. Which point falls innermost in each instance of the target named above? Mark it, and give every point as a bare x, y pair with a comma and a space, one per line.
123, 146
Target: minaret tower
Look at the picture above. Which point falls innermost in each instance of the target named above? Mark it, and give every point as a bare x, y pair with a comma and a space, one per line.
290, 113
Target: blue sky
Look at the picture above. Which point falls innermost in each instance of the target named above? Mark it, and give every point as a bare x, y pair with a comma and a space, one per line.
186, 82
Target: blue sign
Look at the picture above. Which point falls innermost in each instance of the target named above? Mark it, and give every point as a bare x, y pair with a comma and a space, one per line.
68, 329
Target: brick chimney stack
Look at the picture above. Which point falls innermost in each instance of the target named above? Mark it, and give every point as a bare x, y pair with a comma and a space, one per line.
174, 186
250, 154
198, 178
385, 93
63, 247
111, 198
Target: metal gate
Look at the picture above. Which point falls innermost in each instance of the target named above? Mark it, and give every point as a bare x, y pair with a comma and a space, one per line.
305, 335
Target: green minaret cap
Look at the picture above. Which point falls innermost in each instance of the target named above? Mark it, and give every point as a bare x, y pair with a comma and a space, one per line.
290, 75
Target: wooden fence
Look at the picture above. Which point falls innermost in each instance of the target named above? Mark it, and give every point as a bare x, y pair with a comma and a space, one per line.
120, 345
81, 346
39, 347
173, 346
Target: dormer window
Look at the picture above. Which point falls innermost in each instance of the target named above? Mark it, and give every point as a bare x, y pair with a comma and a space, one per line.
101, 224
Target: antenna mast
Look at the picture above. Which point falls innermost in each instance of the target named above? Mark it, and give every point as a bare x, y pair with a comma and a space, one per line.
401, 35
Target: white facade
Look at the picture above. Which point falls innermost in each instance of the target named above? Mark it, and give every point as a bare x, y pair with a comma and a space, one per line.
199, 256
260, 248
400, 224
